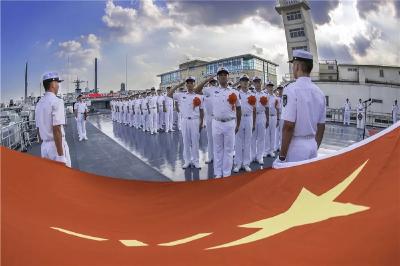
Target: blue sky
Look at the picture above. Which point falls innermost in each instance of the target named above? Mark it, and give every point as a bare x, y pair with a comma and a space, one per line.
157, 36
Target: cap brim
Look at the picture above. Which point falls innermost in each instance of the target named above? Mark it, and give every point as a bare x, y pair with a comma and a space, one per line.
244, 79
227, 72
299, 59
190, 80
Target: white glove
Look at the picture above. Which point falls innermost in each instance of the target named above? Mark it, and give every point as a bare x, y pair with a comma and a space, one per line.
61, 159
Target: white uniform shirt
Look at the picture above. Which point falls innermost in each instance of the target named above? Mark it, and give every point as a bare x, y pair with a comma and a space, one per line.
160, 102
208, 93
143, 104
49, 112
169, 103
222, 109
153, 102
304, 103
347, 106
136, 105
80, 107
187, 107
259, 107
178, 98
247, 109
272, 101
360, 107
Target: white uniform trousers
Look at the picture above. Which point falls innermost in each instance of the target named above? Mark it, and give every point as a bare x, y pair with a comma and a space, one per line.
160, 118
360, 122
48, 150
81, 125
302, 148
346, 118
112, 115
258, 138
278, 135
210, 148
131, 119
270, 134
153, 120
394, 117
191, 139
179, 121
243, 141
223, 142
120, 115
144, 121
169, 120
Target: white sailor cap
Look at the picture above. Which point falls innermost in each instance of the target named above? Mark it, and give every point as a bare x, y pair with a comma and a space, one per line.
222, 69
50, 76
256, 78
270, 83
190, 78
301, 55
244, 76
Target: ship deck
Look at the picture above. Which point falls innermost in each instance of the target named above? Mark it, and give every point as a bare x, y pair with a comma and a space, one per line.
119, 151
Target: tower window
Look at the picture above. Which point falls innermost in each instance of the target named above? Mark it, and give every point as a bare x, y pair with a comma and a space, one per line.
330, 67
293, 15
381, 73
300, 48
298, 32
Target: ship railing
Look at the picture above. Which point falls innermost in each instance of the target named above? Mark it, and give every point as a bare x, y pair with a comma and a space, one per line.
373, 119
19, 136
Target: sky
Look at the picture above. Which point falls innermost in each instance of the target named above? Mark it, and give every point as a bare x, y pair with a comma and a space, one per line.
156, 36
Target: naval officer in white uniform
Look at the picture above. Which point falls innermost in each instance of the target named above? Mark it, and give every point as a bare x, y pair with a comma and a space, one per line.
191, 108
360, 115
50, 119
247, 126
81, 111
304, 113
346, 115
395, 111
226, 122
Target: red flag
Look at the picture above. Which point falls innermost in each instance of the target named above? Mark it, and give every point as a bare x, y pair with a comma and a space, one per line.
342, 210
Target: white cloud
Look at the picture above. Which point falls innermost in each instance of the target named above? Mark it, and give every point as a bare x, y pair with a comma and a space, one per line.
376, 35
49, 43
81, 54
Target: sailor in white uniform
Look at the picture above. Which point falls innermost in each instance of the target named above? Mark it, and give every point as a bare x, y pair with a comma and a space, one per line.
273, 105
112, 109
177, 98
395, 111
160, 105
360, 115
262, 123
278, 133
168, 108
346, 115
153, 108
50, 119
226, 122
81, 111
208, 113
304, 113
191, 108
247, 126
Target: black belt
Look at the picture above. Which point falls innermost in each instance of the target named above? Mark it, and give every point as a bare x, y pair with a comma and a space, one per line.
190, 118
224, 120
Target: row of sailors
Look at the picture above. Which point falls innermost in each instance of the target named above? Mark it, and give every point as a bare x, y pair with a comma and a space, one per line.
148, 111
257, 134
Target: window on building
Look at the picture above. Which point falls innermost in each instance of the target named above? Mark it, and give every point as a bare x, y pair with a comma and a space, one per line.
297, 32
352, 69
381, 73
327, 101
330, 68
293, 15
305, 48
